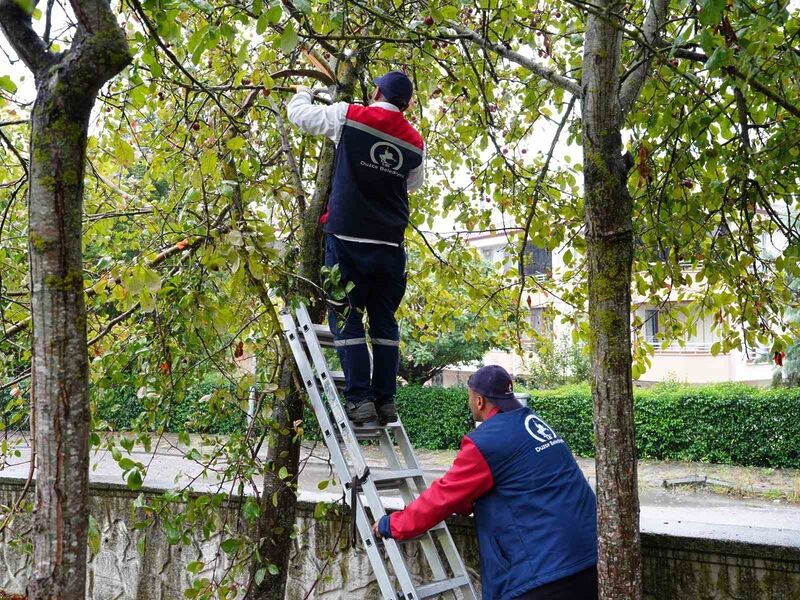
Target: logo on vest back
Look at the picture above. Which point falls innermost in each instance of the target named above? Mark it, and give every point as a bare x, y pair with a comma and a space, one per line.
386, 155
541, 432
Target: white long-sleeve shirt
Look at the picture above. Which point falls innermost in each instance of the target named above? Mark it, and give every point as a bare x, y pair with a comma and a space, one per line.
329, 121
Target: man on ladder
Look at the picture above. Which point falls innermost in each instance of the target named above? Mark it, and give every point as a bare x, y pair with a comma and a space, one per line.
379, 159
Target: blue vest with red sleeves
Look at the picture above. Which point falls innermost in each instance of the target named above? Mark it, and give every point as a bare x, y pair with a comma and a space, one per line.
377, 150
539, 521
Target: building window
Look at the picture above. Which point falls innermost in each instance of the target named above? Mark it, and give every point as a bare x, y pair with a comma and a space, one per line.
538, 261
651, 325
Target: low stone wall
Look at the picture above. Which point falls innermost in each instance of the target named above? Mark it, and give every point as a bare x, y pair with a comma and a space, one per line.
674, 567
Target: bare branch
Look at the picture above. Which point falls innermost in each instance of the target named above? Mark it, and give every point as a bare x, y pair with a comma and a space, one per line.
569, 85
17, 27
653, 24
286, 146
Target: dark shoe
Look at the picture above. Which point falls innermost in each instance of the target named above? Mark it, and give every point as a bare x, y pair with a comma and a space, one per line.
363, 412
387, 412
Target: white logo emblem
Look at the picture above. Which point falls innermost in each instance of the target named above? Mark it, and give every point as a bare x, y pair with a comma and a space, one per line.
387, 155
539, 430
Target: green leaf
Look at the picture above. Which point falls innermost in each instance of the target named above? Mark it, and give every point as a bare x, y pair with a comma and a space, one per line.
251, 510
195, 566
134, 480
261, 24
283, 473
93, 537
173, 533
26, 5
231, 545
274, 14
273, 569
717, 59
289, 39
123, 152
712, 11
449, 12
236, 143
126, 464
260, 575
7, 84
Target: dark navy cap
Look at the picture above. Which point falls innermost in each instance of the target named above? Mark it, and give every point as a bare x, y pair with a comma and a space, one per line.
395, 87
494, 383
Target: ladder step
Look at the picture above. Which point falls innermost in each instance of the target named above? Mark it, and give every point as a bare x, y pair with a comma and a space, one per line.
364, 432
439, 587
438, 527
324, 335
390, 480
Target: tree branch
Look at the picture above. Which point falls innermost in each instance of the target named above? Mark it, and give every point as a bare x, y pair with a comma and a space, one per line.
17, 27
653, 24
569, 85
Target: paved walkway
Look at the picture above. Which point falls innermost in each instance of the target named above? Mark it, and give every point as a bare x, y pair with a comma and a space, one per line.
758, 505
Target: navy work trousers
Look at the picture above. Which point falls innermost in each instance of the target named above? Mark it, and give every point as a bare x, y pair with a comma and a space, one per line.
580, 586
378, 272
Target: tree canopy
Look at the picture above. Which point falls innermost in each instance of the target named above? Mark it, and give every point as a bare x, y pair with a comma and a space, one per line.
199, 197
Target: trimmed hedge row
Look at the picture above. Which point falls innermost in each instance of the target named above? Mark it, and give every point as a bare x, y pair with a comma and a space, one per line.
725, 423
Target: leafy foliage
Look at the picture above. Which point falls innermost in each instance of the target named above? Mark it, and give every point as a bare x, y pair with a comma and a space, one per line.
445, 319
188, 192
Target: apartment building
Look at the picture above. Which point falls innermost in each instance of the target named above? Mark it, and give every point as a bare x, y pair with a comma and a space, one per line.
688, 360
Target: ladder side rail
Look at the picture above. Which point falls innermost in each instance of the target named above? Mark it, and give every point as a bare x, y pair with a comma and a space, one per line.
343, 473
354, 450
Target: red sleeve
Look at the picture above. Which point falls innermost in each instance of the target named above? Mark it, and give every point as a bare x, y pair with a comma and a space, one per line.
467, 480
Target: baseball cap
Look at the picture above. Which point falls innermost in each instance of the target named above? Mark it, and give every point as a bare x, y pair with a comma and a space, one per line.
395, 86
494, 383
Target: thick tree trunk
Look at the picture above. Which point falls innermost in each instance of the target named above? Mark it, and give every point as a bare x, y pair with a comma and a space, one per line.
60, 365
66, 89
610, 255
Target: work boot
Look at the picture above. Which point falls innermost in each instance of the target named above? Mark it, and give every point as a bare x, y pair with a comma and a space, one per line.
363, 412
387, 412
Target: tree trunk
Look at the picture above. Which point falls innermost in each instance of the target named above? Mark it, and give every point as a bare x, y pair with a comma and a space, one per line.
610, 255
66, 89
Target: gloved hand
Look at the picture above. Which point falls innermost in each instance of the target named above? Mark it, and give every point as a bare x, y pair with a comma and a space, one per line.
382, 528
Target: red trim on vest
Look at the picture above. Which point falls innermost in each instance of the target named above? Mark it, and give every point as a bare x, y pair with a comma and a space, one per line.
467, 480
388, 121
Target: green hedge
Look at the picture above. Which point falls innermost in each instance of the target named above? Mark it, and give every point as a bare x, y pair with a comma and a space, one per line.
121, 409
725, 423
730, 423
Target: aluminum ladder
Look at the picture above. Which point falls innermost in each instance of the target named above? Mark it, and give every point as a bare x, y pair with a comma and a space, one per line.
404, 474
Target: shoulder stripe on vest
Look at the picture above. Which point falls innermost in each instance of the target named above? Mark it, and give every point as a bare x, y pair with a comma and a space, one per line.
382, 135
390, 123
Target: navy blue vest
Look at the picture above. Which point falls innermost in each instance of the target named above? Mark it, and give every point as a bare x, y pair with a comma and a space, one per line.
539, 521
377, 150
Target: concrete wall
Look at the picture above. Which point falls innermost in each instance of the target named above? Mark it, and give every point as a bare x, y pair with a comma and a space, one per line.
674, 567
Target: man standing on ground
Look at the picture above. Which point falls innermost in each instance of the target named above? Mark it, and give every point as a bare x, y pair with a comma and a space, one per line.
379, 159
535, 514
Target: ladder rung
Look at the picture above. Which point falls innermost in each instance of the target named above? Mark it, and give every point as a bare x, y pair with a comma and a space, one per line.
364, 432
388, 480
438, 587
324, 336
438, 527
